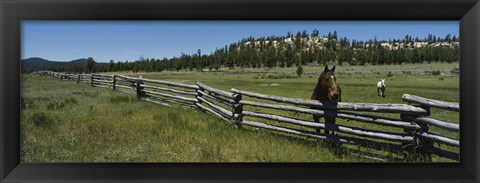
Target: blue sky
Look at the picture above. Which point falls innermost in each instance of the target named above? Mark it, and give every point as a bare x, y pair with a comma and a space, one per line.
129, 40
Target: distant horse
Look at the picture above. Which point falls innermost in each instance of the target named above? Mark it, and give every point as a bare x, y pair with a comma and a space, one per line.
327, 90
381, 88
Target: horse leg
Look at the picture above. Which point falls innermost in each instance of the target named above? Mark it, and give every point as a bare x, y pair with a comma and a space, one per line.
329, 122
327, 132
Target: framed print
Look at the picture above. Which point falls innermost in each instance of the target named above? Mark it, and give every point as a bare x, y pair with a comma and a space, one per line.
239, 91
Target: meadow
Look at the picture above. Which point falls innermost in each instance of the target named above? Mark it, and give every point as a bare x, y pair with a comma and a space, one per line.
68, 122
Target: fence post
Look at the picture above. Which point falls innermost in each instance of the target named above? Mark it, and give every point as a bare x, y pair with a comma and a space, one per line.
199, 95
139, 88
420, 148
114, 79
237, 108
91, 80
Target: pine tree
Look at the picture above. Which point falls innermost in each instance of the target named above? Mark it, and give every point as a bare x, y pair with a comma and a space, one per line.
111, 66
270, 61
314, 33
90, 65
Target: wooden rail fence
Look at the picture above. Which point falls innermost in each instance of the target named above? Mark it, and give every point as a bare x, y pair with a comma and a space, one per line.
244, 108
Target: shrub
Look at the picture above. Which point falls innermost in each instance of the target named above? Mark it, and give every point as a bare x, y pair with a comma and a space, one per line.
26, 103
436, 73
41, 119
299, 71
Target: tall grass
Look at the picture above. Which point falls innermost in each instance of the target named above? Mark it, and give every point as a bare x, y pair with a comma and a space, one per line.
100, 125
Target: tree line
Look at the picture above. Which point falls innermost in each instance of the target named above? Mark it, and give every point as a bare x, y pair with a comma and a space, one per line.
293, 50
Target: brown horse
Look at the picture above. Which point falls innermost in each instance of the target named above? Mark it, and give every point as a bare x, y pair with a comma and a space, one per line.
327, 91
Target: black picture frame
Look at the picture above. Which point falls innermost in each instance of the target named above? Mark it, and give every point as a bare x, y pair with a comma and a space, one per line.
13, 12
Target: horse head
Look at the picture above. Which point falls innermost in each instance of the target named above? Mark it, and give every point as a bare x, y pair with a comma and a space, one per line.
328, 84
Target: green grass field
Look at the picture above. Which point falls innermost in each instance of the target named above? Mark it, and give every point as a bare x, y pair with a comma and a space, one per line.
68, 122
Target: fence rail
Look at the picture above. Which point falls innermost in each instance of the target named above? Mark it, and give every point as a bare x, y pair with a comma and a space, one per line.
431, 103
389, 108
244, 108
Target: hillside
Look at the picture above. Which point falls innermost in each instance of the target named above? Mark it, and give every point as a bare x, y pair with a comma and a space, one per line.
35, 63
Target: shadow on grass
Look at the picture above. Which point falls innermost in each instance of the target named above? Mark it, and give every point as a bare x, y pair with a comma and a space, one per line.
371, 150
